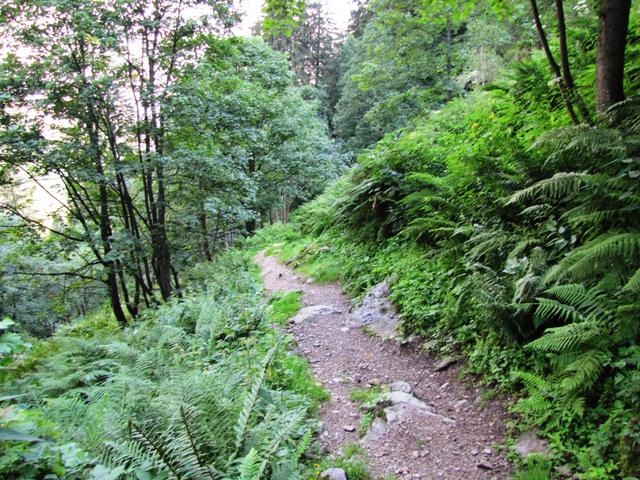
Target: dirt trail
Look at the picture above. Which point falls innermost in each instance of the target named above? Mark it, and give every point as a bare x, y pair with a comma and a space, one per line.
455, 442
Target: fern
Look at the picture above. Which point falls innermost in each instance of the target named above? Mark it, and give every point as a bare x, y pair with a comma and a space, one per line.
587, 143
596, 256
633, 284
250, 467
150, 440
302, 447
562, 185
538, 403
250, 401
583, 372
567, 337
192, 456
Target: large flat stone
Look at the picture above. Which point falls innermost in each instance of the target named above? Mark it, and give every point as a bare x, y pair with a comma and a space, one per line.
308, 313
377, 312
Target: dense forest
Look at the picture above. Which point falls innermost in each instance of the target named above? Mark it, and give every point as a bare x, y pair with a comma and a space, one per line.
481, 156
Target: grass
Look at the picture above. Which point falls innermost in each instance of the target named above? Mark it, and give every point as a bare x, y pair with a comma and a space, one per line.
535, 468
368, 331
485, 397
365, 422
323, 268
309, 259
284, 306
299, 378
368, 397
353, 461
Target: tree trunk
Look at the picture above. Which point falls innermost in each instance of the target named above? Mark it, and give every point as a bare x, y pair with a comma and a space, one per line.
612, 38
448, 46
572, 91
555, 68
114, 297
204, 231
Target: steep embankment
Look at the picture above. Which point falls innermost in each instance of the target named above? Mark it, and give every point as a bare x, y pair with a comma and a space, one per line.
428, 425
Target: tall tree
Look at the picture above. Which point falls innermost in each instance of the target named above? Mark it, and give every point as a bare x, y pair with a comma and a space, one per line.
401, 64
103, 71
613, 20
281, 19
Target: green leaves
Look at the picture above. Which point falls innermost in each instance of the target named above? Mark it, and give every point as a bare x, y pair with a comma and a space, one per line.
166, 398
561, 186
282, 17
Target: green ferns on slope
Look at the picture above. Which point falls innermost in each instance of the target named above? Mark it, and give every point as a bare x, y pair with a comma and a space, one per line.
524, 258
204, 388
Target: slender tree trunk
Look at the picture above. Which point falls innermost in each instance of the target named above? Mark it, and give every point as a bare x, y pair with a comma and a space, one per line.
572, 91
204, 231
448, 46
114, 298
555, 68
612, 38
251, 225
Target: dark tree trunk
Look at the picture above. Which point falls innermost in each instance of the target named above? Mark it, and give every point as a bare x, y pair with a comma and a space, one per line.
204, 231
572, 91
114, 297
251, 226
448, 46
612, 38
555, 68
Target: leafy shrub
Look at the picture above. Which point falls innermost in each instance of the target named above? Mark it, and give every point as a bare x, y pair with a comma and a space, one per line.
523, 257
202, 387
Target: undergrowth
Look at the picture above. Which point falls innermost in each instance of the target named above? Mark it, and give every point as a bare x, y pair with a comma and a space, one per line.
531, 274
203, 387
284, 306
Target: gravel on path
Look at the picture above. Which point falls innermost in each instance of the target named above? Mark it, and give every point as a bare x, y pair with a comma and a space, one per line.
414, 446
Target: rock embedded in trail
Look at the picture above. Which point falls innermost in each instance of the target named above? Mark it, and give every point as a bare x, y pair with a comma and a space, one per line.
444, 364
308, 313
333, 474
398, 397
530, 443
377, 312
404, 408
400, 387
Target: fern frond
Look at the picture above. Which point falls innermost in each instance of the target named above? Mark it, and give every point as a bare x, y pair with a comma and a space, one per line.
549, 308
532, 382
561, 186
575, 405
583, 372
572, 294
302, 446
152, 442
250, 466
198, 463
627, 114
579, 218
590, 259
250, 401
588, 141
633, 284
567, 337
522, 246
